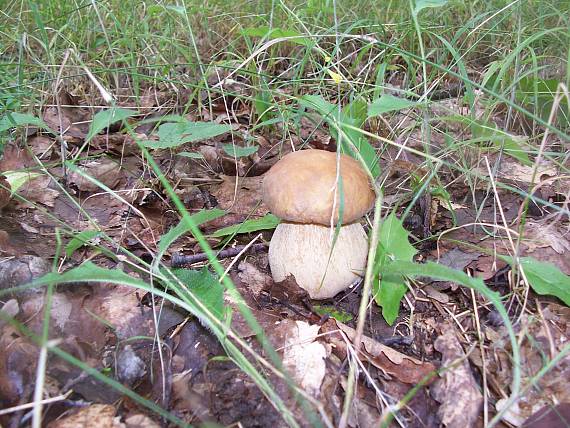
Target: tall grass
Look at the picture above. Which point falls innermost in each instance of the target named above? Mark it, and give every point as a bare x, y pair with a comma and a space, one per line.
505, 56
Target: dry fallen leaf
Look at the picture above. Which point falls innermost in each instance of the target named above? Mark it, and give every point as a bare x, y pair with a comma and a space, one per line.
303, 356
457, 390
93, 416
140, 421
42, 146
404, 368
550, 417
17, 367
104, 170
514, 170
546, 338
4, 192
243, 199
38, 190
255, 280
539, 235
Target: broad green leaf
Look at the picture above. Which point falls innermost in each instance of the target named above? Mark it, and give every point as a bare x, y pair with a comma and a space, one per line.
545, 278
174, 134
390, 293
393, 245
356, 110
394, 240
268, 221
387, 103
191, 155
341, 120
334, 312
423, 4
105, 118
205, 287
238, 151
79, 241
17, 179
13, 120
181, 228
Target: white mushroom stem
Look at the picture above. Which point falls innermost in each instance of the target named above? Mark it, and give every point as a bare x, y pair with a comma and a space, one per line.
304, 251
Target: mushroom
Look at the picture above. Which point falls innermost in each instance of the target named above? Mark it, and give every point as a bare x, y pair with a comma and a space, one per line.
302, 189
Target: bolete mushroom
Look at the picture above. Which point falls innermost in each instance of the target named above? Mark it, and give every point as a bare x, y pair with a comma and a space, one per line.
303, 190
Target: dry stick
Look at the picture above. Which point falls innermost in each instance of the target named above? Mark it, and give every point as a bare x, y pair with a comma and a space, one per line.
362, 310
179, 260
29, 405
237, 257
484, 364
62, 142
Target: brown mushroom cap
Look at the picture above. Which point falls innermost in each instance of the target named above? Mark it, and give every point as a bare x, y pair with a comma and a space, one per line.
300, 188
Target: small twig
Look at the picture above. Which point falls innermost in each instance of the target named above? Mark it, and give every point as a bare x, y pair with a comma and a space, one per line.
179, 260
30, 405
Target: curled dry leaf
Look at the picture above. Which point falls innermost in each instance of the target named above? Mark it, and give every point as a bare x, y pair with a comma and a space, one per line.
21, 270
14, 158
9, 310
457, 390
404, 368
120, 306
116, 142
64, 125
